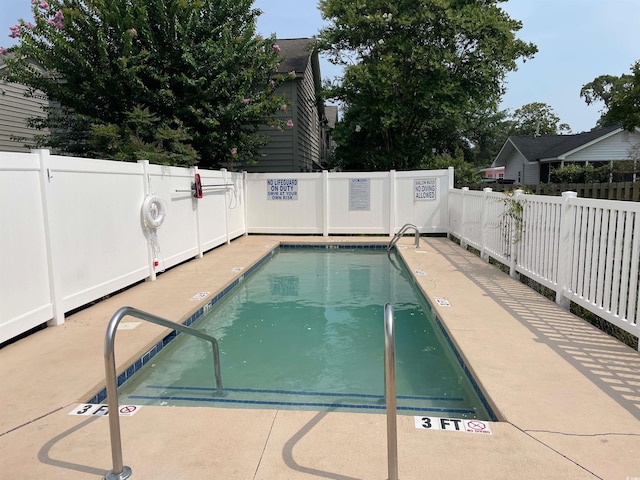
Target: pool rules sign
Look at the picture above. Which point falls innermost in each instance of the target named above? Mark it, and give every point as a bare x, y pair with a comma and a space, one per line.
424, 189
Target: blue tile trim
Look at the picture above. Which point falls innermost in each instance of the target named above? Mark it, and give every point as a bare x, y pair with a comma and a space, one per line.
471, 378
332, 246
101, 396
298, 404
302, 394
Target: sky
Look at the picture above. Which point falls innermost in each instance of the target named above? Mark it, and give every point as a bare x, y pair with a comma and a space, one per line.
577, 40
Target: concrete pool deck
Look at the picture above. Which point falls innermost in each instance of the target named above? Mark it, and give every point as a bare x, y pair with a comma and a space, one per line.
566, 394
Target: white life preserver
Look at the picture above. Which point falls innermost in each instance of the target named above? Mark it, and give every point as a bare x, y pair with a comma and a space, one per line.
153, 211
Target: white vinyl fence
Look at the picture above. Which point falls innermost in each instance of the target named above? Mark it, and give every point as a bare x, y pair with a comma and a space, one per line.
331, 203
73, 230
586, 250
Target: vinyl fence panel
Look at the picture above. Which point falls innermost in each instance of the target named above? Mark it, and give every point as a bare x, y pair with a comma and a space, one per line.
25, 291
586, 250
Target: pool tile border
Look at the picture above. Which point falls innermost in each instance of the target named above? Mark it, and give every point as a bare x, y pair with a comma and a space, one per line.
101, 396
444, 331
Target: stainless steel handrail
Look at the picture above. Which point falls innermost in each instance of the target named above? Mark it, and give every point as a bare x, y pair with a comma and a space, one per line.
390, 391
120, 471
401, 232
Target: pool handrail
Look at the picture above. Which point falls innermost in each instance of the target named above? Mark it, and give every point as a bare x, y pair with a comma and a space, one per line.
390, 392
401, 232
120, 471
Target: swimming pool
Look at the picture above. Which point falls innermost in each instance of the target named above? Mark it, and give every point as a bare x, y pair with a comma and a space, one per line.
305, 331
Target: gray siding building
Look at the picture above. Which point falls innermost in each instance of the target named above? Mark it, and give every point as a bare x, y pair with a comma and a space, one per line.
15, 109
530, 159
306, 146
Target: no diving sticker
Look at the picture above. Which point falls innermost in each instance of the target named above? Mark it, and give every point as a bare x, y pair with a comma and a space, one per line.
454, 424
91, 409
443, 302
200, 295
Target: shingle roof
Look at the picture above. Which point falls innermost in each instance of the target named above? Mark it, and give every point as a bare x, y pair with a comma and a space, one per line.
552, 146
295, 53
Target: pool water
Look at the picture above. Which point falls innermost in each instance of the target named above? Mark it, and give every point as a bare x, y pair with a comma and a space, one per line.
305, 331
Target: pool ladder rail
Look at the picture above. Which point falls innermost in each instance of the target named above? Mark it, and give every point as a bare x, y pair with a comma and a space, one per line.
401, 232
120, 471
390, 392
123, 472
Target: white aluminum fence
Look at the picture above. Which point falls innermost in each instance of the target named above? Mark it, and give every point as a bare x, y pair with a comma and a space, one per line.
330, 203
586, 250
72, 229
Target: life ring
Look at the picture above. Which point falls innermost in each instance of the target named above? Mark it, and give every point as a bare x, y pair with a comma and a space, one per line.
153, 211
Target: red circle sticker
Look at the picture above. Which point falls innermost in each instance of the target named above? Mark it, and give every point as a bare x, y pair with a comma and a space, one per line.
476, 425
128, 409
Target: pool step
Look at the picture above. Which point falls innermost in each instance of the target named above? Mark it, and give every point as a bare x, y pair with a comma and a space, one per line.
296, 400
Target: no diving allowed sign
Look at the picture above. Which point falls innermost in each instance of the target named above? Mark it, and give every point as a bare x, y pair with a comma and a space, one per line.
91, 409
453, 424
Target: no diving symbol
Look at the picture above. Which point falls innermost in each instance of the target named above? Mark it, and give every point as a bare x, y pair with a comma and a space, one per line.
128, 410
476, 426
453, 424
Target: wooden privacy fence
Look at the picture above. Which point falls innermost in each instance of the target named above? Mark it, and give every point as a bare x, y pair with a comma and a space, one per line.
629, 191
586, 250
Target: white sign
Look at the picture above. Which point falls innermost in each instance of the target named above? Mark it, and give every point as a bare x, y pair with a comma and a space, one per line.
424, 189
200, 295
92, 409
453, 424
443, 302
359, 194
282, 189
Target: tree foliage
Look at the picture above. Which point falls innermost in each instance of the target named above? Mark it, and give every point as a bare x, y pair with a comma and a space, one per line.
620, 95
464, 172
487, 132
578, 173
415, 72
537, 118
176, 80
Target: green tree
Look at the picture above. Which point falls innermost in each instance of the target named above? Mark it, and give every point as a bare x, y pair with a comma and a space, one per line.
464, 172
487, 133
537, 118
620, 95
189, 78
415, 71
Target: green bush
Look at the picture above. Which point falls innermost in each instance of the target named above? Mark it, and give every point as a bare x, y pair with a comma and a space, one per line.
574, 173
